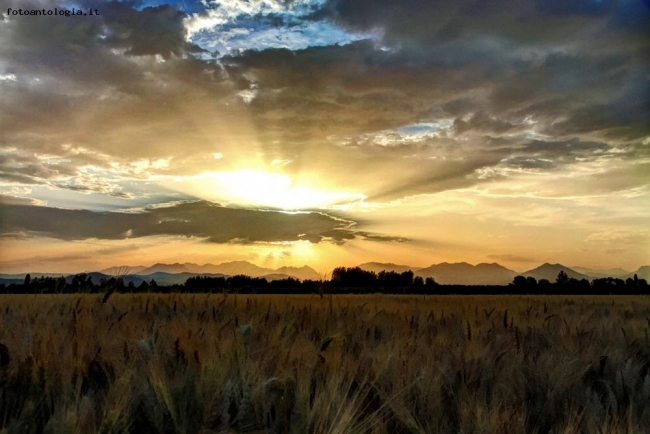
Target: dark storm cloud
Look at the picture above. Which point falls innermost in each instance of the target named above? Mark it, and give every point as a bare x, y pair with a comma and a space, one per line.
481, 123
71, 49
570, 71
626, 114
513, 58
154, 30
355, 88
82, 50
494, 68
197, 219
13, 200
575, 7
143, 31
444, 20
567, 147
76, 79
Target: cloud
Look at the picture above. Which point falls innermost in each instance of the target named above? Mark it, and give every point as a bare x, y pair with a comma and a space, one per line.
150, 31
520, 54
449, 19
196, 219
619, 237
499, 104
236, 26
125, 87
128, 248
492, 81
374, 237
39, 261
104, 83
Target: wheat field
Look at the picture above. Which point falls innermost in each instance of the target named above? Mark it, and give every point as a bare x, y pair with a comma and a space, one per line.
151, 363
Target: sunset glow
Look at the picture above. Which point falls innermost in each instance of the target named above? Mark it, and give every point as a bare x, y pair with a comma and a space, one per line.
325, 133
259, 188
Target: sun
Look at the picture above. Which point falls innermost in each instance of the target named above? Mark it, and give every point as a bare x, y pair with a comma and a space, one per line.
255, 187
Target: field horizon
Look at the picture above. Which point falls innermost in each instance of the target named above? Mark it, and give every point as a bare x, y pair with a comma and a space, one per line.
444, 273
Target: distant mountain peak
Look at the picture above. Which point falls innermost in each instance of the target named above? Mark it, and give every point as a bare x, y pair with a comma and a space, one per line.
490, 265
228, 268
550, 271
167, 268
463, 273
122, 268
386, 266
599, 273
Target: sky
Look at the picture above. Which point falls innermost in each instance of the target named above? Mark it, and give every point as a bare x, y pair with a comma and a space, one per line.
325, 133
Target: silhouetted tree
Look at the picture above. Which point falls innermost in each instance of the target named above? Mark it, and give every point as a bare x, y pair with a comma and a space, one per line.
353, 277
519, 282
430, 283
522, 284
81, 283
562, 278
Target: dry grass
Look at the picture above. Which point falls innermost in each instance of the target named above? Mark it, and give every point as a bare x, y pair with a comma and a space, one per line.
341, 364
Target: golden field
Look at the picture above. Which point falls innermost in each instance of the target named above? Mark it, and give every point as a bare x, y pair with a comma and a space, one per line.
148, 363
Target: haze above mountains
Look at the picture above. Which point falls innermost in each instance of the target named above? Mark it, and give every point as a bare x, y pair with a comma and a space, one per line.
445, 273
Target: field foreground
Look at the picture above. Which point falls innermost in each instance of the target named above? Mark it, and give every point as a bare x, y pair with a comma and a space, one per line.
174, 363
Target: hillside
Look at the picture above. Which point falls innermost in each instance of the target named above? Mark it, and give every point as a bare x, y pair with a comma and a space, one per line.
463, 273
386, 266
550, 271
642, 273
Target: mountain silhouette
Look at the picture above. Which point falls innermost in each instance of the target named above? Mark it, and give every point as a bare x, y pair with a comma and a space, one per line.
462, 273
642, 273
550, 271
165, 268
592, 272
303, 273
120, 269
163, 278
227, 268
388, 266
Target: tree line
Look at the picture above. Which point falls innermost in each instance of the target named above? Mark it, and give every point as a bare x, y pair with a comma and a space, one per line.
343, 281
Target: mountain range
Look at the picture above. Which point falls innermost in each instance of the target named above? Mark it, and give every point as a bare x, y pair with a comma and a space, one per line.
227, 268
550, 271
460, 273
